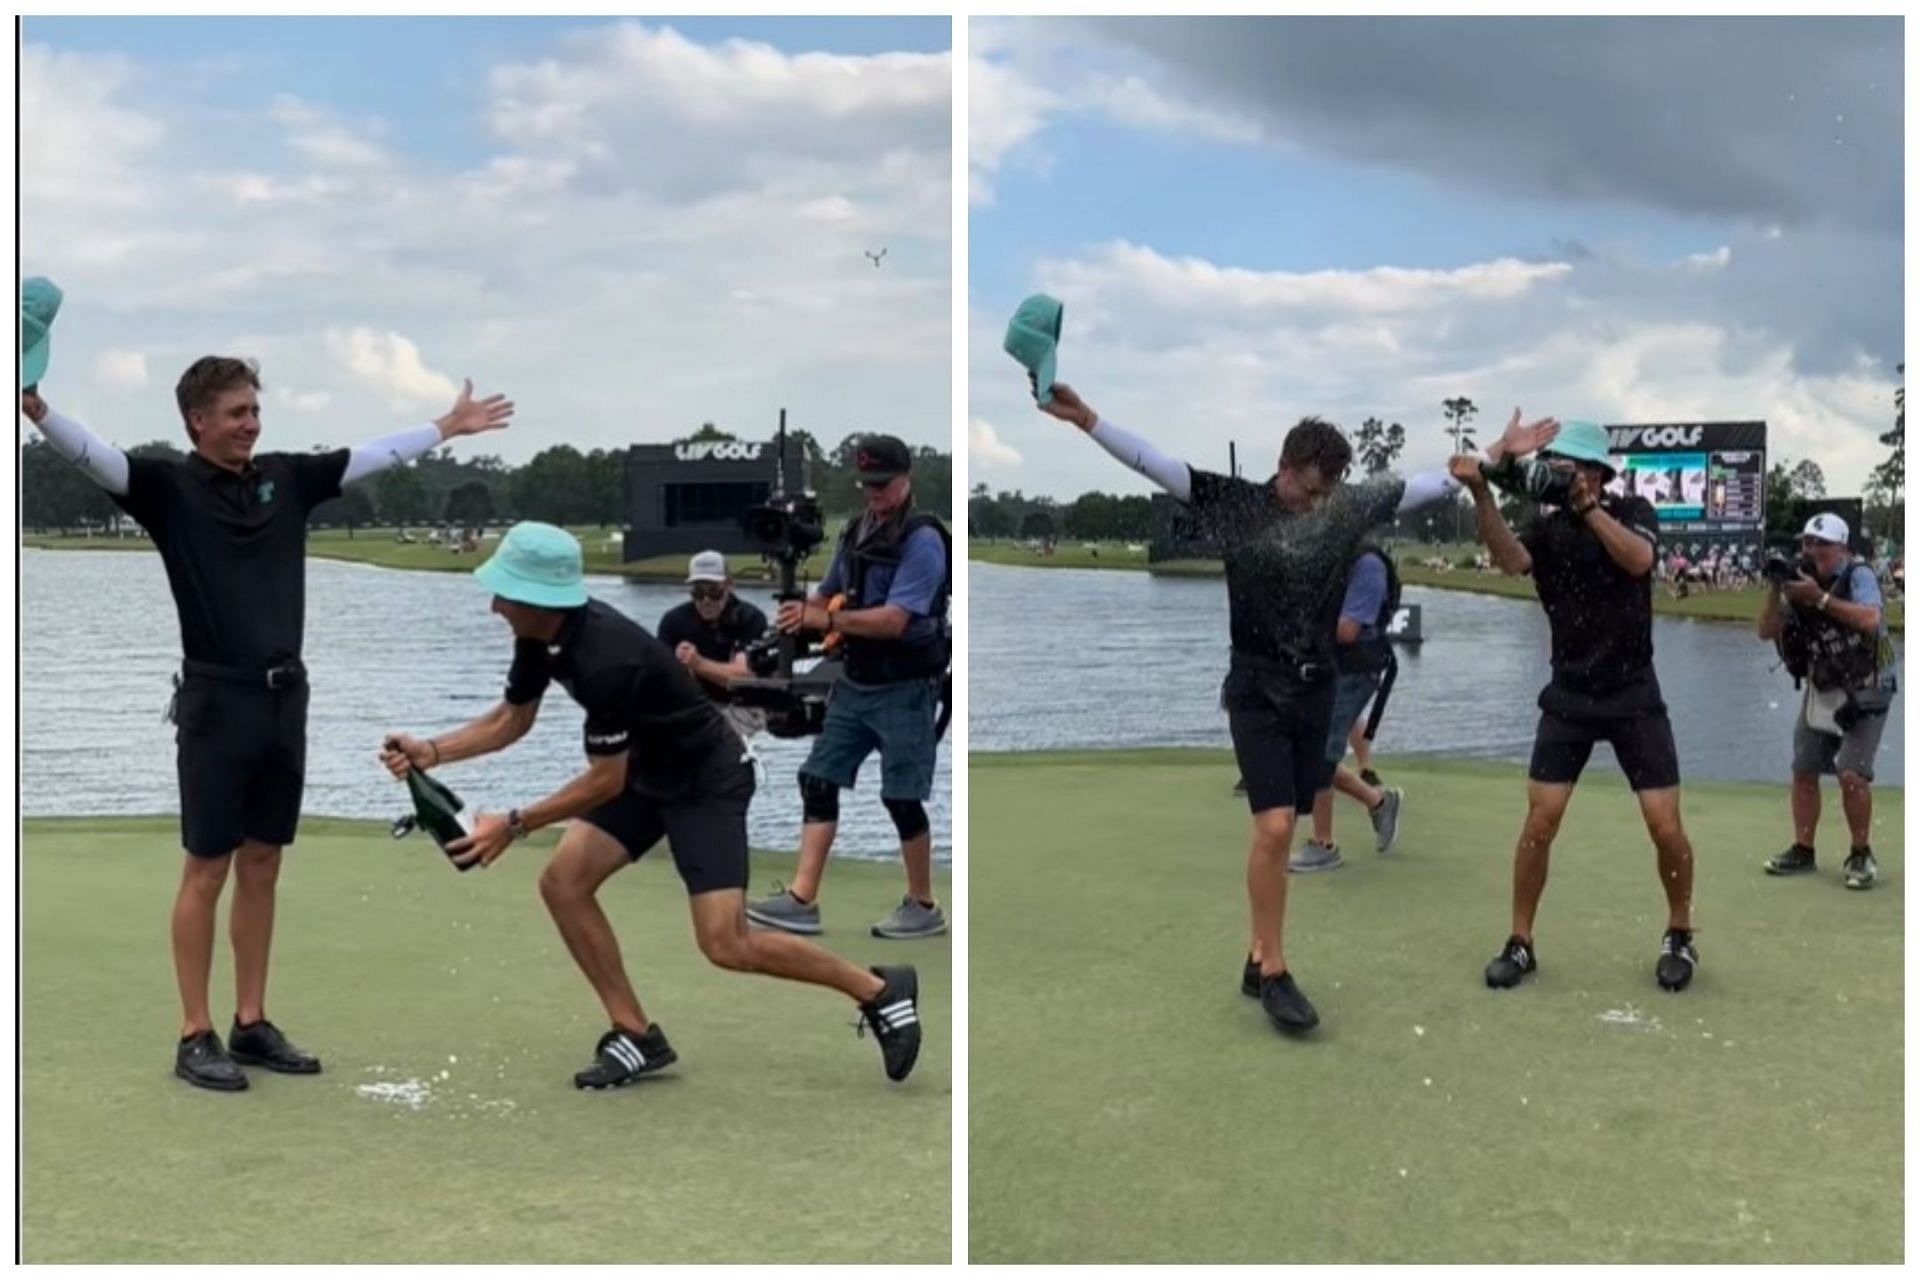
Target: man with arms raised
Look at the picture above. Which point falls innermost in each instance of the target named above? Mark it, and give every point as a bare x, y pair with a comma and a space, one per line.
231, 529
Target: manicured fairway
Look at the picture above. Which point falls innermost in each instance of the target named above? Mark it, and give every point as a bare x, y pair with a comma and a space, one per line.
445, 1127
1127, 1103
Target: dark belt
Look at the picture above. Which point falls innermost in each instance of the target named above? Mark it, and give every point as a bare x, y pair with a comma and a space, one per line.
287, 675
1308, 671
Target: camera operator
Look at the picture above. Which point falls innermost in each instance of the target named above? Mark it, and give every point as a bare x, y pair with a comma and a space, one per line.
893, 567
710, 633
1591, 555
1824, 615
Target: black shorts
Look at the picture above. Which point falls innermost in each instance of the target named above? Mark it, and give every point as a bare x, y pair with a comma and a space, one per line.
1279, 729
242, 759
1642, 744
705, 827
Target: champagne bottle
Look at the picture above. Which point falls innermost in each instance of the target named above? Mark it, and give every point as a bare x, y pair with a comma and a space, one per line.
1530, 478
436, 811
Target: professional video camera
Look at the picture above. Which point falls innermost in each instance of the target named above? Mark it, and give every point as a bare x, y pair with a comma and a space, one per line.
1780, 570
787, 528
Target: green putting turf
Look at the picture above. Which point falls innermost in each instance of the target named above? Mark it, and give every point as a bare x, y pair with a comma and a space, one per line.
776, 1138
1127, 1103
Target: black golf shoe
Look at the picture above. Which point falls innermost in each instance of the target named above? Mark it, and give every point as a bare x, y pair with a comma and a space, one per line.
1678, 960
1514, 962
894, 1015
622, 1057
202, 1062
1286, 1006
262, 1045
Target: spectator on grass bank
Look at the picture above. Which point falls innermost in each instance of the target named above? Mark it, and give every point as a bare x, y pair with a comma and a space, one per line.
1592, 565
710, 633
1831, 632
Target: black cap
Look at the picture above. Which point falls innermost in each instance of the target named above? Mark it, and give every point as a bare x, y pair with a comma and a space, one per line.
881, 458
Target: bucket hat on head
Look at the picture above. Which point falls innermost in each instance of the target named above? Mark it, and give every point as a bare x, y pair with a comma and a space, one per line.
1033, 338
1583, 442
536, 564
39, 303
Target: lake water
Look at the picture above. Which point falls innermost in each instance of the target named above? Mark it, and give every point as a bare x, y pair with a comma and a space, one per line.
386, 650
1066, 658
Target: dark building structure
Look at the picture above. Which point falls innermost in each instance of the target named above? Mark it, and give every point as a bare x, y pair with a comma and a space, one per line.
688, 497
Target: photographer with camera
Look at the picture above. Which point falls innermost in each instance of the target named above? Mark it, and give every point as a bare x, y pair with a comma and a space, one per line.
1824, 615
1591, 554
710, 635
885, 596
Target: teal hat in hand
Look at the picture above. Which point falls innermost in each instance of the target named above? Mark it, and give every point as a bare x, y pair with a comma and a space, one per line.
1033, 338
1583, 442
39, 303
537, 564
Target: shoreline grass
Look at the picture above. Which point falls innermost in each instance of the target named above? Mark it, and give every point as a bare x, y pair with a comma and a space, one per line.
1134, 1107
454, 991
1740, 606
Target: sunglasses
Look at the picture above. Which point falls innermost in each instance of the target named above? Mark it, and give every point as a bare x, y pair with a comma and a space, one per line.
708, 591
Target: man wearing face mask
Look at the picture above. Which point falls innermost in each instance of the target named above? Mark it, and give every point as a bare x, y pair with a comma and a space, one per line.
892, 569
710, 633
1288, 543
1827, 621
1591, 554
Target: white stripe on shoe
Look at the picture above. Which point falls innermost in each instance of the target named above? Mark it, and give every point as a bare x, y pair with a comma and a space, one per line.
628, 1056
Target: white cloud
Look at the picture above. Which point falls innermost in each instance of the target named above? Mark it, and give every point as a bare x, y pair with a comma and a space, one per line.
391, 363
121, 370
302, 401
984, 445
663, 233
1195, 354
1715, 261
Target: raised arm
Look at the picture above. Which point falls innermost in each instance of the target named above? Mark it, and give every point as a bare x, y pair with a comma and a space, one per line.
467, 417
105, 465
1509, 556
1135, 453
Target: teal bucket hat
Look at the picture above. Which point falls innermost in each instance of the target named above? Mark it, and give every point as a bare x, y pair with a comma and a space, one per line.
1583, 442
537, 564
39, 303
1033, 338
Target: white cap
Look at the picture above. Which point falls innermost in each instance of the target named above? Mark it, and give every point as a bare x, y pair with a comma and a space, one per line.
708, 566
1827, 527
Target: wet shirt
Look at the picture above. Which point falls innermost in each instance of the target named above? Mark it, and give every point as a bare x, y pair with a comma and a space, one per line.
1600, 616
1287, 570
235, 547
738, 626
637, 696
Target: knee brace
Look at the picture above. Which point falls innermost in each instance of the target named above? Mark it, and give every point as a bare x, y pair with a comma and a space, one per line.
819, 799
909, 817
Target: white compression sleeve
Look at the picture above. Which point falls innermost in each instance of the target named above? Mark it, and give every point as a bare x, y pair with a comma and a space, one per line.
105, 465
401, 447
1427, 487
1170, 474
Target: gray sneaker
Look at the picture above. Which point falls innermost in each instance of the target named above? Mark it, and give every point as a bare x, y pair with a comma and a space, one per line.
785, 912
1314, 856
911, 920
1386, 819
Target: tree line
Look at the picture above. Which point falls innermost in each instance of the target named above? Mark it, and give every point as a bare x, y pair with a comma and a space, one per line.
1377, 445
560, 485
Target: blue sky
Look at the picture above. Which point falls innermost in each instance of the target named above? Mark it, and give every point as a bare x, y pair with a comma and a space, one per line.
1254, 219
631, 226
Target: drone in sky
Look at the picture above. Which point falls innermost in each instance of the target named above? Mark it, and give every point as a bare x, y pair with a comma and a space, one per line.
875, 257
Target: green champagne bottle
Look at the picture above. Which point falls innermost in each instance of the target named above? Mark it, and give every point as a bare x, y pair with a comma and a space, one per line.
436, 811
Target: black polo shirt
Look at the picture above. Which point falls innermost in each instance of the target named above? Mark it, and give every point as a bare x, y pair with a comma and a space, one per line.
1600, 616
235, 547
1287, 570
738, 626
637, 696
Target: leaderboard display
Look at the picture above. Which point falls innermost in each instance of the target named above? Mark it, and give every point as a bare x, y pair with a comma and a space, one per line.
1702, 478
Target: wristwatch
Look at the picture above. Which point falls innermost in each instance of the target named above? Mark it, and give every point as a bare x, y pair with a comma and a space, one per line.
1824, 597
517, 824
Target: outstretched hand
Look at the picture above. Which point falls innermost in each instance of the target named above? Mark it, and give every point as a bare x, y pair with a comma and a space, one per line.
470, 417
34, 407
1465, 468
1067, 406
1518, 440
